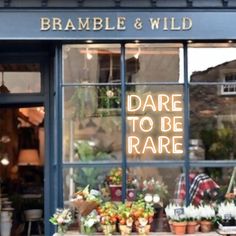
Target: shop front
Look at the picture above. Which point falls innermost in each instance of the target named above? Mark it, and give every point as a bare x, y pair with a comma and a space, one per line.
126, 101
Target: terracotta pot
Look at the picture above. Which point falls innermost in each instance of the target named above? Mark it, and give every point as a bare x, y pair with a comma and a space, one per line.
205, 226
191, 227
171, 226
179, 227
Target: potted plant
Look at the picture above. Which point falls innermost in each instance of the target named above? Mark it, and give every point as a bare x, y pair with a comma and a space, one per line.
177, 218
142, 213
226, 213
192, 217
125, 218
62, 218
108, 217
114, 179
88, 224
207, 216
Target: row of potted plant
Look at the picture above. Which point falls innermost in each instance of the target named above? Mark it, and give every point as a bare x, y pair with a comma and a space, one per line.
128, 216
189, 219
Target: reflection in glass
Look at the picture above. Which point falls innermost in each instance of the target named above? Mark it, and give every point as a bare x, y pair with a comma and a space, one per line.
160, 187
155, 122
92, 117
211, 62
154, 63
20, 78
212, 123
91, 63
78, 178
211, 184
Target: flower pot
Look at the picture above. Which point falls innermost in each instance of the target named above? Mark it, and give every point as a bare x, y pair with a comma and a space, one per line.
125, 230
179, 227
145, 230
206, 226
191, 227
108, 229
116, 192
171, 226
130, 194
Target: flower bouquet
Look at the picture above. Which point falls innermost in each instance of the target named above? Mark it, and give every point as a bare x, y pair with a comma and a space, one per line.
89, 223
142, 213
62, 218
125, 218
108, 217
86, 201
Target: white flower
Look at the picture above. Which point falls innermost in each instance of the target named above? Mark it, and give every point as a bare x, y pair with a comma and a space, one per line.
206, 212
110, 93
227, 210
148, 198
192, 212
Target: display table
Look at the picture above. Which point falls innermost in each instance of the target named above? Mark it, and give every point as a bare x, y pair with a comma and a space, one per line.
213, 233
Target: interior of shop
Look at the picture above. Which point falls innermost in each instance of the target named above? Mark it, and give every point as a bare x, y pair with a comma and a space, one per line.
21, 160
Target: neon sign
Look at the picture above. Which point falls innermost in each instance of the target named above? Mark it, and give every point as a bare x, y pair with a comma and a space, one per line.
162, 135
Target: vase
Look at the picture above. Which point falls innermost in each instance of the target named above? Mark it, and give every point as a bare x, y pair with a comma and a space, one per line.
191, 227
179, 227
108, 229
125, 230
205, 226
61, 229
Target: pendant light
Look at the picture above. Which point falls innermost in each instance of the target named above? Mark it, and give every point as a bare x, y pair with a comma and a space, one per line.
3, 88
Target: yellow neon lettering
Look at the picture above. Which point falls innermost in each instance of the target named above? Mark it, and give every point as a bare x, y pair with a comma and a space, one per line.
130, 101
177, 146
133, 142
149, 145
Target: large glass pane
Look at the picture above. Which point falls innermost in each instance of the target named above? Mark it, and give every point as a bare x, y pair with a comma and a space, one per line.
20, 78
92, 123
155, 122
91, 63
212, 63
154, 63
212, 123
211, 184
160, 187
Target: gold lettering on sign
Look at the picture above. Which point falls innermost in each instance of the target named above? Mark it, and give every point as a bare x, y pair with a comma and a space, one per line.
56, 24
97, 23
187, 23
107, 24
70, 25
45, 24
83, 23
155, 23
112, 24
121, 23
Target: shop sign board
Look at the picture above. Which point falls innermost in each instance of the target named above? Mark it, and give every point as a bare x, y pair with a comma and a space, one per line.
51, 24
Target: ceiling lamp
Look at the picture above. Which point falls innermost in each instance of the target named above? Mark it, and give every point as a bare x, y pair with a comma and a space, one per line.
28, 157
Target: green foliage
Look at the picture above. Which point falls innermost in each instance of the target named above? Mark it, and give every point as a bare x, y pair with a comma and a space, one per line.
91, 176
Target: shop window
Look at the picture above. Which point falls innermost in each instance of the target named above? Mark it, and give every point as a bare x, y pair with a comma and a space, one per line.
229, 89
20, 78
154, 63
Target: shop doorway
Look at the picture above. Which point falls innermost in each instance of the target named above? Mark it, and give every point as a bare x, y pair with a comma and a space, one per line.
22, 153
